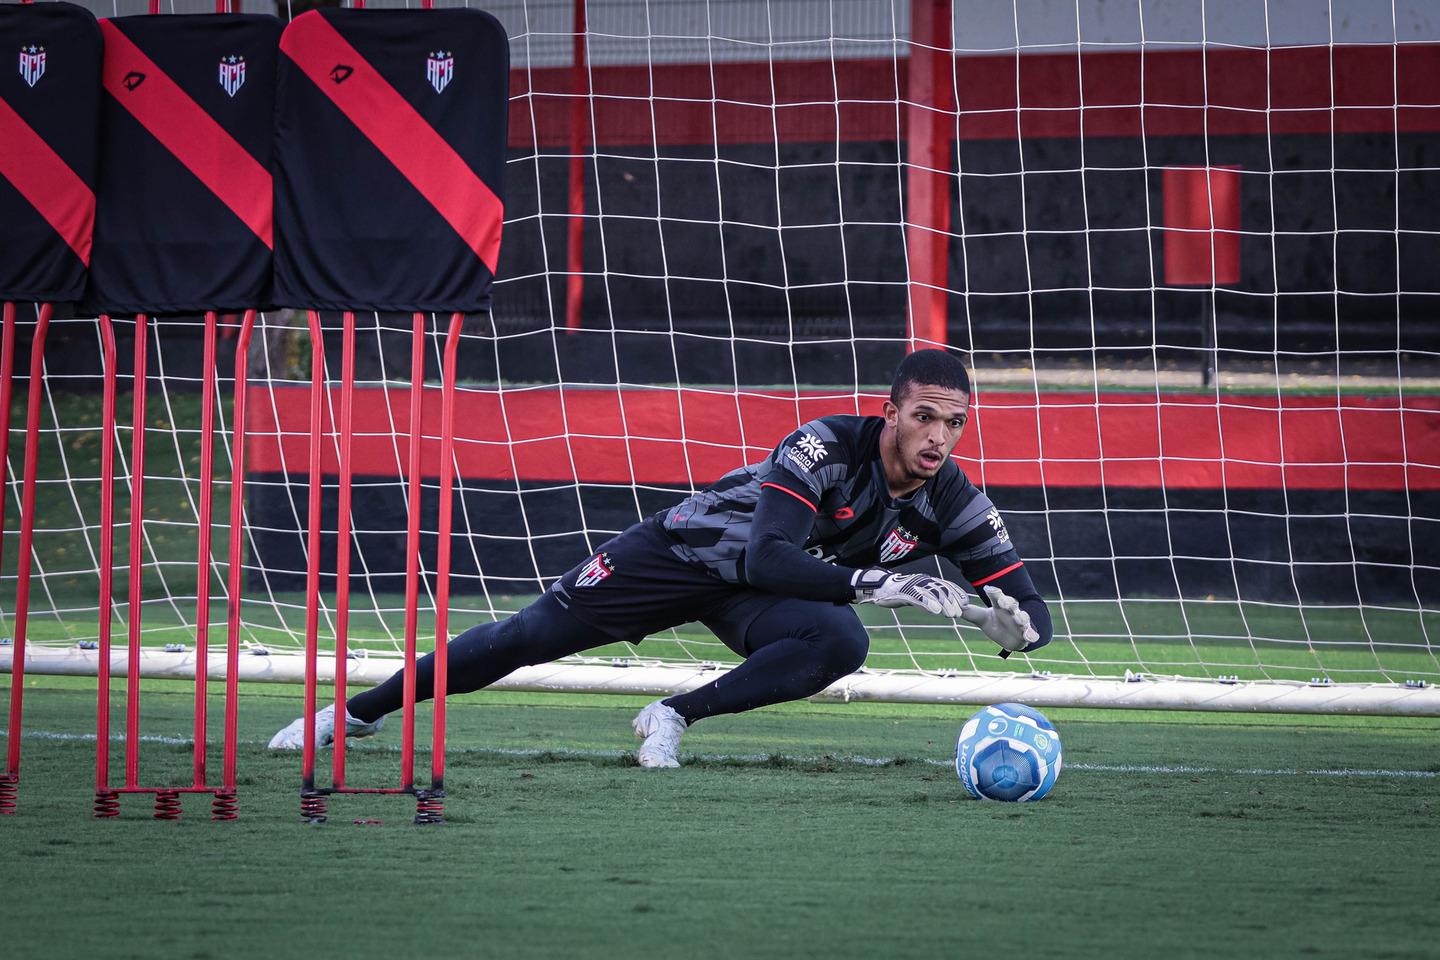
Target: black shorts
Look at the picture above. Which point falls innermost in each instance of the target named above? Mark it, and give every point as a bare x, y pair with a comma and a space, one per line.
636, 585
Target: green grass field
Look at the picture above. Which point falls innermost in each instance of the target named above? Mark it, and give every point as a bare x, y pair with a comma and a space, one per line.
804, 830
1162, 838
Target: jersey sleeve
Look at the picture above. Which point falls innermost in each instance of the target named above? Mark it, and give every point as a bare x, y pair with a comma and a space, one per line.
978, 542
809, 461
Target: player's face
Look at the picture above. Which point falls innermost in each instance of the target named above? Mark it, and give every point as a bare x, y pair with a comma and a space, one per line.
927, 424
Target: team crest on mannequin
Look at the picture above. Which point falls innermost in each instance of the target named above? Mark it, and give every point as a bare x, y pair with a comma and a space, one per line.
232, 73
440, 69
32, 64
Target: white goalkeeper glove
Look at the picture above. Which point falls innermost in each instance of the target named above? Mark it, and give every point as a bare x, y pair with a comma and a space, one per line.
1003, 621
879, 586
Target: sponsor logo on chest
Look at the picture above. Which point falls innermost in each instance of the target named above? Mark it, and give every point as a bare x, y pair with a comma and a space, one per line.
897, 544
597, 568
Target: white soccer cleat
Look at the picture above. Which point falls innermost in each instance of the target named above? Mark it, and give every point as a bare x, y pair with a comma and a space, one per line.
292, 737
661, 727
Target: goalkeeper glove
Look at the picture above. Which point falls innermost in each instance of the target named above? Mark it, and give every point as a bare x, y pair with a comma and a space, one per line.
879, 586
1003, 621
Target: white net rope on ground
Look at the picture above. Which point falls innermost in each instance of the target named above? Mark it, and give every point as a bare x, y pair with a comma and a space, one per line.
1184, 248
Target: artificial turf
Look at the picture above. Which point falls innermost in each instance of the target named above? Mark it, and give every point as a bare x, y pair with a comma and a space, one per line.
806, 830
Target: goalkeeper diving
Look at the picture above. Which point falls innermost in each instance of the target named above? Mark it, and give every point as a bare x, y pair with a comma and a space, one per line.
770, 558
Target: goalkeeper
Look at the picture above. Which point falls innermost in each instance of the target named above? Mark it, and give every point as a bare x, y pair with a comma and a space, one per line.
769, 558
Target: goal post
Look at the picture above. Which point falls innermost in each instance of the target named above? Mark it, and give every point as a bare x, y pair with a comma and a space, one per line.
1187, 254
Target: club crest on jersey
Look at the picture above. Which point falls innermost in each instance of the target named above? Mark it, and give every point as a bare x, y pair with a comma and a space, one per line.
597, 568
998, 525
897, 544
440, 70
232, 73
808, 451
32, 64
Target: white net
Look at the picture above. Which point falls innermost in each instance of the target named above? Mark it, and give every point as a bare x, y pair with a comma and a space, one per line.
1186, 248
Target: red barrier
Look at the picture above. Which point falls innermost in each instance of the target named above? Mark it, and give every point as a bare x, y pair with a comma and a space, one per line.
314, 798
1014, 439
10, 781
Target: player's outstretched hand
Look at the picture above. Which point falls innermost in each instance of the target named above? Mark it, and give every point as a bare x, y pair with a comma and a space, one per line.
879, 586
1003, 621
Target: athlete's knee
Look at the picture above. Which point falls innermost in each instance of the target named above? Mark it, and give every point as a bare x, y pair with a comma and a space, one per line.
851, 644
839, 641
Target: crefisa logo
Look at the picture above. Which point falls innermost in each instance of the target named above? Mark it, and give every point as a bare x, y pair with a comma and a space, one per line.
32, 64
440, 69
232, 73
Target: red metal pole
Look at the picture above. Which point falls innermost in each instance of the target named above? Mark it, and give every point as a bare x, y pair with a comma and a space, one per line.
23, 560
107, 802
202, 563
930, 119
137, 534
224, 807
7, 387
579, 114
312, 804
7, 382
342, 541
433, 812
412, 546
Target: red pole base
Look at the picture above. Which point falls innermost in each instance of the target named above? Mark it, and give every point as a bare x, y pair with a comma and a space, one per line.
107, 804
225, 806
167, 805
429, 806
9, 790
312, 808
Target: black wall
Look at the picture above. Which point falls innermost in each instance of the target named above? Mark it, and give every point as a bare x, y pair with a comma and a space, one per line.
1284, 547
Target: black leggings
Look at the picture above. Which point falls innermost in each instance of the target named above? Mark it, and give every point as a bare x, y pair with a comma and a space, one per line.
795, 649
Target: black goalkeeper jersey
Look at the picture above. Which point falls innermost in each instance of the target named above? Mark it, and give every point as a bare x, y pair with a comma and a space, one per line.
834, 465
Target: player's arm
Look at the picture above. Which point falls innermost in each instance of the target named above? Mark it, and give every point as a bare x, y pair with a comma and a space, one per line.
775, 559
1013, 614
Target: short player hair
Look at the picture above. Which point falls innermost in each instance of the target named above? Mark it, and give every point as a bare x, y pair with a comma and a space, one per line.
934, 368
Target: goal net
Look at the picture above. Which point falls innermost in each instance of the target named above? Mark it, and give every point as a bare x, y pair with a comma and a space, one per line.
1188, 250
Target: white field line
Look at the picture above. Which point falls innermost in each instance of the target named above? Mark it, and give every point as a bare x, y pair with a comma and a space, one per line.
1127, 768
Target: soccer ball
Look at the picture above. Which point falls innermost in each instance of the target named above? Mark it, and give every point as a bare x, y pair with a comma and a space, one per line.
1008, 752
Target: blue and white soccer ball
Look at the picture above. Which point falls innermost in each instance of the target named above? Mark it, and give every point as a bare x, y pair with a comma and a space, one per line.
1008, 752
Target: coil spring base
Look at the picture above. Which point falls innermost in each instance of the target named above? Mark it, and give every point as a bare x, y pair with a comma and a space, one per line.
167, 805
429, 806
9, 789
107, 804
225, 806
312, 808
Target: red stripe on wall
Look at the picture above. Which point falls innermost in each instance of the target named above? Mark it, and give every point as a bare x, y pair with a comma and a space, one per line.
635, 435
47, 182
184, 128
1226, 92
398, 131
